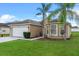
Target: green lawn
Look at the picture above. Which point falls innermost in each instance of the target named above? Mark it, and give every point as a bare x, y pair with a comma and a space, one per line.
40, 47
75, 34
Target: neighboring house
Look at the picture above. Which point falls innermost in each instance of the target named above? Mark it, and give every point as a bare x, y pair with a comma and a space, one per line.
75, 29
53, 29
17, 28
4, 29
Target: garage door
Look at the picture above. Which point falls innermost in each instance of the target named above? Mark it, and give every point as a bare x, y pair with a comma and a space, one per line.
18, 30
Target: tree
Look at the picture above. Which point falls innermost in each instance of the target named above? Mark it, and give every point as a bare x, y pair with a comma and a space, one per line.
43, 10
64, 10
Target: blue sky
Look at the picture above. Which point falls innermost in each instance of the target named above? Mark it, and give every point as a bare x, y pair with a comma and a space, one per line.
21, 11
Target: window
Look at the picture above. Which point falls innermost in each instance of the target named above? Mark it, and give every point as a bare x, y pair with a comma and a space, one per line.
53, 28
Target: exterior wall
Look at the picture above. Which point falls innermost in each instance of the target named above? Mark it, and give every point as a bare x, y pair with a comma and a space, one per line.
4, 30
58, 29
75, 29
46, 28
35, 30
68, 31
49, 30
14, 26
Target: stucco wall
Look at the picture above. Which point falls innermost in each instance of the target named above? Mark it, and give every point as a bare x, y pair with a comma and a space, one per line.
68, 31
58, 29
35, 30
16, 26
4, 30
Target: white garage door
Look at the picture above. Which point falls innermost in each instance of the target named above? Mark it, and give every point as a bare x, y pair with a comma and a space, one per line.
18, 31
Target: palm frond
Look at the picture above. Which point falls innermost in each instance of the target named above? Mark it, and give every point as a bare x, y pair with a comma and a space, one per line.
70, 5
60, 5
43, 5
47, 7
40, 9
62, 17
71, 14
38, 14
53, 13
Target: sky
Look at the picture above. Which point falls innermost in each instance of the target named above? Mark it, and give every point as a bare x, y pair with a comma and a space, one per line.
21, 11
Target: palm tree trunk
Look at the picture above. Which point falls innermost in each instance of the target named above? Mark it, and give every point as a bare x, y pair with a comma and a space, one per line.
65, 14
65, 31
43, 25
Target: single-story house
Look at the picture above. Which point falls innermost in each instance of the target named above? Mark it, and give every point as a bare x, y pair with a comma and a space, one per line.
50, 30
75, 29
4, 29
53, 29
17, 28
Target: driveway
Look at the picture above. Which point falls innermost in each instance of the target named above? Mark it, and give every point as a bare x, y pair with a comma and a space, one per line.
5, 39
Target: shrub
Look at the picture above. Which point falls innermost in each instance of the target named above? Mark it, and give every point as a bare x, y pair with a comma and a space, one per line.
62, 32
26, 34
4, 35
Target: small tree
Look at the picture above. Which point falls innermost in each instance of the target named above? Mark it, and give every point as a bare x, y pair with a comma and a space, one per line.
43, 10
64, 10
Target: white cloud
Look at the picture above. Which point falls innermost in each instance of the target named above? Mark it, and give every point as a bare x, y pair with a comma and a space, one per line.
77, 11
8, 18
36, 19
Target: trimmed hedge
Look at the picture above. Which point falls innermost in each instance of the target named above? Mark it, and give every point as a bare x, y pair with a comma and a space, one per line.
4, 35
26, 34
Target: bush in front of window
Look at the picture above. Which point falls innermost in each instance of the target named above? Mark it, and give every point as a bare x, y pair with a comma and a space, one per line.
62, 32
26, 34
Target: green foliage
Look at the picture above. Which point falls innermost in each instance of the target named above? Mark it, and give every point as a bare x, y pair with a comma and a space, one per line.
26, 34
44, 9
47, 7
4, 35
64, 10
43, 47
53, 14
75, 34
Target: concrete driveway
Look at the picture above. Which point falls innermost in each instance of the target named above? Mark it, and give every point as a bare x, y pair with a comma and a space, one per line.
5, 39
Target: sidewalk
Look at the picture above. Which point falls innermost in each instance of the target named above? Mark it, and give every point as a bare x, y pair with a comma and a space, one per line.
34, 38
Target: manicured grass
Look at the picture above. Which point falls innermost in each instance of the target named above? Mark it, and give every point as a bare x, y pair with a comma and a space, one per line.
41, 47
75, 34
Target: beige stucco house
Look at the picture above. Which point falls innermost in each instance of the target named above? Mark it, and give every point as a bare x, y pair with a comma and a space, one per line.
4, 29
17, 28
50, 29
53, 29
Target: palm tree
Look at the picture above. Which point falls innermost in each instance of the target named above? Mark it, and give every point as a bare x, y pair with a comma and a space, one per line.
64, 10
43, 10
